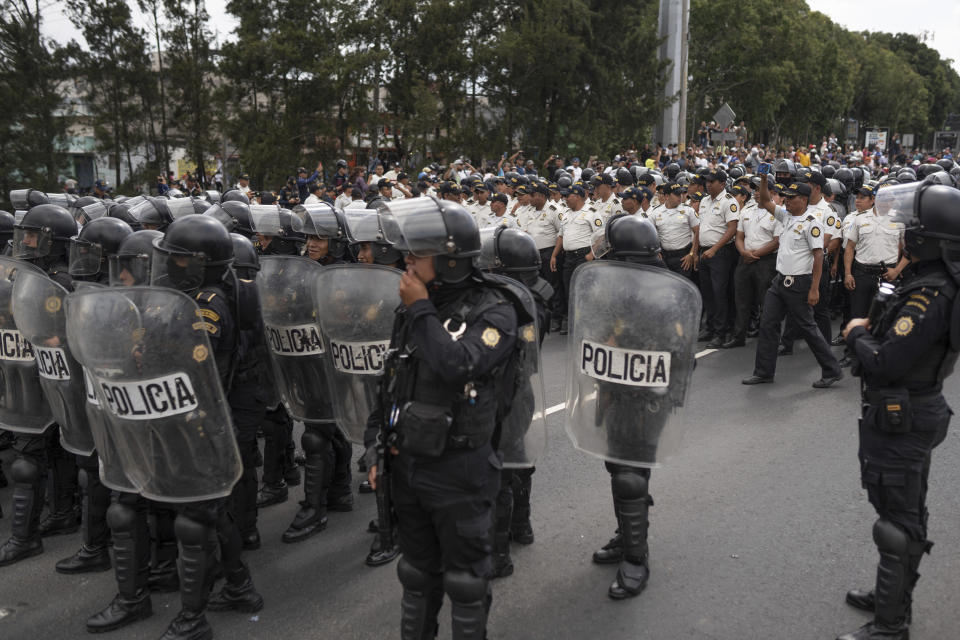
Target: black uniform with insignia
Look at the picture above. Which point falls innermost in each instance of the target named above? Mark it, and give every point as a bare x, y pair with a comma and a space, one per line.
196, 253
444, 380
629, 239
903, 361
42, 237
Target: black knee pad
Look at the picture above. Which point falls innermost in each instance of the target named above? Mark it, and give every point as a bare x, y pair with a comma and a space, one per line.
190, 531
464, 586
121, 517
313, 441
890, 537
413, 578
629, 484
24, 471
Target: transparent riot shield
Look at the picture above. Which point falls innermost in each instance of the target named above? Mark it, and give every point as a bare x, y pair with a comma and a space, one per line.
23, 407
633, 331
355, 308
39, 313
287, 286
156, 381
523, 433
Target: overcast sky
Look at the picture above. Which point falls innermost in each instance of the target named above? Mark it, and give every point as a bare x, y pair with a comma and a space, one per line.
937, 20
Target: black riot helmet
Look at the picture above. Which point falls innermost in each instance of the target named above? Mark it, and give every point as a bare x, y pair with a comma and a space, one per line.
130, 265
828, 171
363, 227
941, 177
235, 216
930, 214
43, 232
586, 174
784, 168
87, 208
275, 231
627, 238
97, 240
196, 251
26, 199
153, 213
564, 182
946, 163
509, 251
121, 211
735, 172
845, 176
428, 227
235, 195
246, 262
926, 169
904, 175
320, 220
624, 177
7, 222
200, 205
672, 170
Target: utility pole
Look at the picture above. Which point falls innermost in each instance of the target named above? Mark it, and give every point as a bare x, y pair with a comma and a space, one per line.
674, 33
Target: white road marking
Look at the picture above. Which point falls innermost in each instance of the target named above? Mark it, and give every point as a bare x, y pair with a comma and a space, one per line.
559, 407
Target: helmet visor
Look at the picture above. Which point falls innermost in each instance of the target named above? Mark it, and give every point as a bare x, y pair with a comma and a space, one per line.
177, 270
599, 244
84, 258
363, 225
89, 212
318, 220
18, 198
180, 207
265, 220
487, 259
129, 270
899, 202
416, 225
221, 215
31, 243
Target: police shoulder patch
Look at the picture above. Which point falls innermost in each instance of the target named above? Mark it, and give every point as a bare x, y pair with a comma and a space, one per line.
903, 326
200, 353
490, 337
733, 207
815, 232
529, 333
830, 221
598, 222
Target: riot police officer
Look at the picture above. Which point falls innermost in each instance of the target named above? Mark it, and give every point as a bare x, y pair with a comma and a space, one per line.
439, 415
194, 257
635, 240
42, 237
904, 355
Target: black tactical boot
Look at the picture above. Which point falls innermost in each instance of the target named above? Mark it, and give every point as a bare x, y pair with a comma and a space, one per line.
896, 577
65, 515
131, 553
94, 553
62, 521
86, 560
632, 503
312, 516
24, 541
502, 563
163, 576
196, 558
189, 625
237, 594
610, 553
271, 494
863, 600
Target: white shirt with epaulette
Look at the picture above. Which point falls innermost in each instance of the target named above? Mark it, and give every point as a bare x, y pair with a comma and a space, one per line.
674, 226
481, 211
832, 225
877, 239
543, 225
758, 226
799, 237
609, 208
506, 220
715, 213
579, 227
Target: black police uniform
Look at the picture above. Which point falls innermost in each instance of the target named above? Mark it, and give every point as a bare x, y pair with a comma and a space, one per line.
446, 475
903, 364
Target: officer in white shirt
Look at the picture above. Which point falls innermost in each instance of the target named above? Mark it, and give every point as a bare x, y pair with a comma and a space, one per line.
498, 214
872, 252
541, 219
719, 215
758, 237
606, 202
316, 190
481, 203
578, 226
795, 289
678, 227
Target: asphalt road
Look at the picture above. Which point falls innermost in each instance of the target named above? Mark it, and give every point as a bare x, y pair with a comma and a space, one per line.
759, 527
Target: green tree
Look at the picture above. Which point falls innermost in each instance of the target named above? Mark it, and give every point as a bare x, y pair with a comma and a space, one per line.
32, 70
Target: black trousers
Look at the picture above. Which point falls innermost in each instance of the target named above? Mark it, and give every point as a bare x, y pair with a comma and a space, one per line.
673, 260
571, 260
278, 439
895, 467
866, 284
821, 312
790, 302
445, 509
715, 282
750, 284
558, 303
